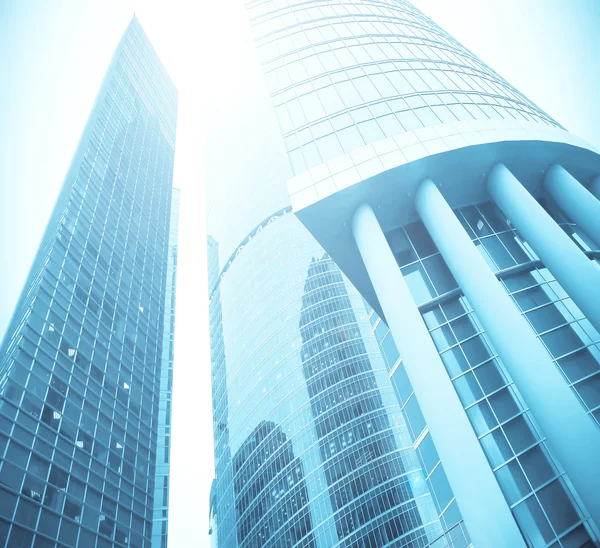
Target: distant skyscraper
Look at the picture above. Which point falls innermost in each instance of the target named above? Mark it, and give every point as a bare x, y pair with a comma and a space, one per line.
459, 210
86, 363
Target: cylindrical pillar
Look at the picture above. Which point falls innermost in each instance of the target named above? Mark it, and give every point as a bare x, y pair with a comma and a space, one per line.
579, 276
575, 200
571, 433
595, 187
485, 511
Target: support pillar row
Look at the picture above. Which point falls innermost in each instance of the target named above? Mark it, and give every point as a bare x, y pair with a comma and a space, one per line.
483, 506
574, 271
581, 206
571, 433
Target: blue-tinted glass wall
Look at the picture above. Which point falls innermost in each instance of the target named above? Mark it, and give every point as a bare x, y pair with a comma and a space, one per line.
528, 474
345, 74
329, 446
310, 445
81, 360
163, 446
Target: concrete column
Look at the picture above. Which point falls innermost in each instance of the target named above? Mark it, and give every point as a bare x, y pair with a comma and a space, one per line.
485, 511
579, 276
595, 187
570, 432
575, 200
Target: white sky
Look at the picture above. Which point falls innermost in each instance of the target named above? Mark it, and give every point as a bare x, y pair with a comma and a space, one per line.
53, 56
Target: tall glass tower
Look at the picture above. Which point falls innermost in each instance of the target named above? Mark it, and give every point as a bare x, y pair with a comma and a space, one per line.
85, 365
311, 445
468, 220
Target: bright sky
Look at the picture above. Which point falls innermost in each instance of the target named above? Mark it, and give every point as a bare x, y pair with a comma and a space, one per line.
53, 56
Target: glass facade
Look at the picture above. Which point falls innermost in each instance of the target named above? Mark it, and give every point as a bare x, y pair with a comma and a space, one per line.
163, 445
310, 445
352, 87
84, 357
345, 74
298, 380
535, 487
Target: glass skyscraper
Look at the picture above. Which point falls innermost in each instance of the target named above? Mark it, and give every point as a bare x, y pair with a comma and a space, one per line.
468, 220
86, 363
311, 445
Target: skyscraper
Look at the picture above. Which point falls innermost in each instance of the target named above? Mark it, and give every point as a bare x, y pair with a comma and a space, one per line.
311, 447
459, 210
85, 365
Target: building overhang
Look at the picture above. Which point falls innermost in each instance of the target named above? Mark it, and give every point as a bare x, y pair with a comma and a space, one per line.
457, 157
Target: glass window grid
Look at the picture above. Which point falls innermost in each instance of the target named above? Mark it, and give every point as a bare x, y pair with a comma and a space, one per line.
55, 291
500, 468
419, 55
297, 420
455, 532
588, 338
558, 296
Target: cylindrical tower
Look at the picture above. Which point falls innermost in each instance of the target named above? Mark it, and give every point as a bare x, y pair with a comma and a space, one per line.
311, 446
396, 132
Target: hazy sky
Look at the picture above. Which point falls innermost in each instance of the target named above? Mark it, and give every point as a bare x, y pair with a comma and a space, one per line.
53, 55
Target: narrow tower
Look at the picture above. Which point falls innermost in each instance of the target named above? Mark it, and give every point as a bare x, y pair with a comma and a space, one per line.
86, 358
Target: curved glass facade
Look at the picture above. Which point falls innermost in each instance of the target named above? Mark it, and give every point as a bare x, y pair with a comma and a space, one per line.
295, 361
343, 74
310, 444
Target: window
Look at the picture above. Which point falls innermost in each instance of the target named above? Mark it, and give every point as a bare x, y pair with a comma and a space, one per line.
348, 94
513, 482
481, 417
403, 386
408, 120
496, 448
537, 467
519, 433
455, 361
580, 364
476, 350
418, 283
546, 318
489, 376
441, 487
558, 506
504, 404
329, 147
390, 125
497, 251
350, 138
468, 389
414, 415
390, 351
589, 390
420, 239
440, 274
562, 341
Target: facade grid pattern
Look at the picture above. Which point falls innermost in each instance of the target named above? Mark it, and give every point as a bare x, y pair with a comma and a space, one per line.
163, 445
310, 447
79, 392
343, 74
534, 486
